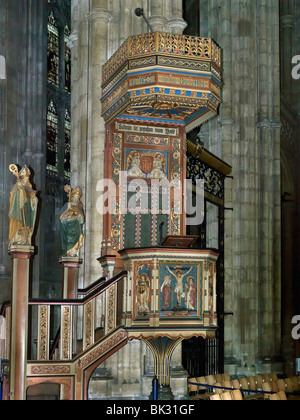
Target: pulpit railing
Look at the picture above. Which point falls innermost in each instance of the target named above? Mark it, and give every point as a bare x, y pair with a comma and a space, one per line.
5, 322
63, 328
81, 322
162, 43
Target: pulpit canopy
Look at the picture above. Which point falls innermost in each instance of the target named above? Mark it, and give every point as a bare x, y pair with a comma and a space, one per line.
163, 78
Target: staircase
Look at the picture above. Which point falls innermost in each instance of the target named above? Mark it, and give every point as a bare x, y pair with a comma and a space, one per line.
88, 332
69, 338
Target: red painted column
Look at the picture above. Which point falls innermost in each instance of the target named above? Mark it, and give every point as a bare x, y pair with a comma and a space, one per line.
21, 255
71, 267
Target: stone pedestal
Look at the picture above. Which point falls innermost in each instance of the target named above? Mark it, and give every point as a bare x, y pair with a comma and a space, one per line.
21, 255
179, 376
162, 349
70, 276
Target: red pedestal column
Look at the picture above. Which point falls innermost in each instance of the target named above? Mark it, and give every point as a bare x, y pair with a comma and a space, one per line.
21, 255
70, 276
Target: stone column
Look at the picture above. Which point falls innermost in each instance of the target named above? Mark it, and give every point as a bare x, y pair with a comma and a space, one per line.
4, 151
99, 18
177, 24
288, 298
269, 128
158, 20
178, 378
247, 136
287, 22
21, 256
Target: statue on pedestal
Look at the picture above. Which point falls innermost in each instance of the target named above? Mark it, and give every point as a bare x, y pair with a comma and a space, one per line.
23, 205
71, 223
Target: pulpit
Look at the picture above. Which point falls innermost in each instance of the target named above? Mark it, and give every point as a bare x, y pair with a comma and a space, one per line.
156, 88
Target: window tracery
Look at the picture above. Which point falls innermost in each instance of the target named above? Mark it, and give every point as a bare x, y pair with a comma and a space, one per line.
52, 137
59, 90
53, 51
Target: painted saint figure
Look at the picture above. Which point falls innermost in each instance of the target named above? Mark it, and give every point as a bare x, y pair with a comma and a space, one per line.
135, 166
166, 292
143, 286
22, 208
71, 223
157, 171
190, 293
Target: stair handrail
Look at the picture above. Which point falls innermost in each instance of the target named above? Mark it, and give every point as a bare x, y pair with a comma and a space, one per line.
95, 291
92, 293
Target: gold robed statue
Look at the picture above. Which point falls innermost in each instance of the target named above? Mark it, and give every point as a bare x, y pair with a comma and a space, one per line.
23, 205
71, 223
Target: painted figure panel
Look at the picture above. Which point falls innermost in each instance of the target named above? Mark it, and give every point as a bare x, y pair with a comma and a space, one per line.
179, 290
142, 289
146, 164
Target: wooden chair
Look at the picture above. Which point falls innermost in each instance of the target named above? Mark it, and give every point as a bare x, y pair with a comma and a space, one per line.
235, 383
273, 377
274, 397
226, 396
210, 380
201, 380
226, 377
219, 377
296, 385
281, 385
289, 385
193, 388
252, 383
216, 397
237, 395
218, 390
227, 384
266, 377
244, 383
259, 381
274, 386
282, 396
267, 388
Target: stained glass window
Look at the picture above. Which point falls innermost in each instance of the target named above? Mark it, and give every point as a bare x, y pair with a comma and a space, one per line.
59, 87
52, 137
53, 51
67, 156
67, 60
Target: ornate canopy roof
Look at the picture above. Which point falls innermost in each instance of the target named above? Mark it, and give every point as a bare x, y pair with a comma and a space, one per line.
163, 78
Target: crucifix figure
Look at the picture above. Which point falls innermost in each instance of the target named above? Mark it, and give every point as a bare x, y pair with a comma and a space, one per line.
179, 279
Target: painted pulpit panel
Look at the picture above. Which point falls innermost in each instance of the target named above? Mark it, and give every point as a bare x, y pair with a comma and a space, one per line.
181, 290
146, 164
142, 289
